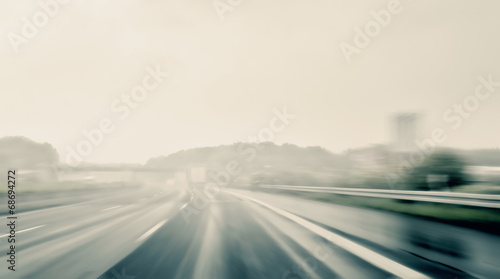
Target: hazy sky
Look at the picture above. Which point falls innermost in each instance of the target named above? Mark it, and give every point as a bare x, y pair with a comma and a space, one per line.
227, 76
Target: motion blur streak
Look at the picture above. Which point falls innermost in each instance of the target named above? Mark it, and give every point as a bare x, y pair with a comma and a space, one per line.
360, 251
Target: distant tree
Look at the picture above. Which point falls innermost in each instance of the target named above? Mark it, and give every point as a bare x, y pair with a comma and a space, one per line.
440, 163
482, 157
21, 152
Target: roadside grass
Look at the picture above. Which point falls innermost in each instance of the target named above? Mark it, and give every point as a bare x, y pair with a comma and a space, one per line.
482, 219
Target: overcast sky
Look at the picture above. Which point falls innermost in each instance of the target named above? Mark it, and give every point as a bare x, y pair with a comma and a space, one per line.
227, 76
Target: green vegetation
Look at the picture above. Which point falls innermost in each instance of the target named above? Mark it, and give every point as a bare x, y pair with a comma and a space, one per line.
23, 153
478, 189
264, 163
288, 164
440, 163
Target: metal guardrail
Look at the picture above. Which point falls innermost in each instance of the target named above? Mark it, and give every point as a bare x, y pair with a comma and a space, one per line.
477, 200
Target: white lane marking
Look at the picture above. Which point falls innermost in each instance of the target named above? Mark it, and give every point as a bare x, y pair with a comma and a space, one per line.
346, 244
190, 200
46, 209
26, 230
64, 229
183, 206
152, 230
113, 207
87, 222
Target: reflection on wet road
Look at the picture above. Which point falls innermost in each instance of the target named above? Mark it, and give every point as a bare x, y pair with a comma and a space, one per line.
143, 233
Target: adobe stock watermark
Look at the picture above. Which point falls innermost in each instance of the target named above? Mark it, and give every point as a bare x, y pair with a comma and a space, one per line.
454, 116
233, 168
303, 270
48, 9
225, 6
371, 29
122, 107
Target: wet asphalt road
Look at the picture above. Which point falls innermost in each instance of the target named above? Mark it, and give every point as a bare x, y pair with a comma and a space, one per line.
143, 233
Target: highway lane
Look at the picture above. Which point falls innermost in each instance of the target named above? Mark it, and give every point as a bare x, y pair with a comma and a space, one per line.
473, 252
82, 240
141, 233
34, 201
233, 237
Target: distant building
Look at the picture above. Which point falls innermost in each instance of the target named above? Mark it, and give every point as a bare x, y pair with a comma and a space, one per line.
406, 132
